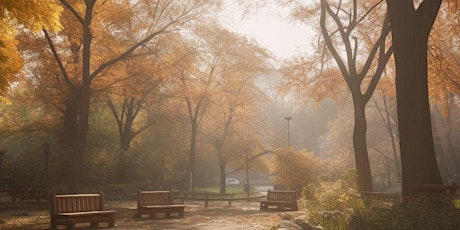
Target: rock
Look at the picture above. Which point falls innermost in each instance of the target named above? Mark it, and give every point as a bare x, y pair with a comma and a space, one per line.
307, 226
287, 216
288, 225
334, 213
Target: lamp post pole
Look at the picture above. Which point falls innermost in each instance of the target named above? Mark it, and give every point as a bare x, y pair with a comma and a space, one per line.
288, 138
46, 152
247, 177
2, 155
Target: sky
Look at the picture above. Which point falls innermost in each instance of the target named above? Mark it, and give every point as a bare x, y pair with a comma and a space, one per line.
270, 28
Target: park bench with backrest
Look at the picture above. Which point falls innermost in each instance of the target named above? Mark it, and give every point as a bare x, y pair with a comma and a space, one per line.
24, 193
71, 209
438, 192
380, 196
157, 202
280, 200
436, 189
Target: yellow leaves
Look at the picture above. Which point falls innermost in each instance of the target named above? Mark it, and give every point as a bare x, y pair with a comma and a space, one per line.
5, 101
294, 169
10, 60
307, 79
443, 64
33, 14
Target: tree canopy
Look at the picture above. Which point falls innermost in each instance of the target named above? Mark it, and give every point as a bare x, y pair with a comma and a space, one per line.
32, 15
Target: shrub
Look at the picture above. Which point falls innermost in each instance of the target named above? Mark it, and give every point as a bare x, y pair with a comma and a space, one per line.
294, 169
420, 213
331, 203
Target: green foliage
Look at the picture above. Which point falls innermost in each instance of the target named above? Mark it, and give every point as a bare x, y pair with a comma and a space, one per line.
416, 214
331, 203
331, 195
334, 205
24, 160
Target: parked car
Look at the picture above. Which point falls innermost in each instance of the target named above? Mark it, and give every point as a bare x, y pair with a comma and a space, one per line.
232, 181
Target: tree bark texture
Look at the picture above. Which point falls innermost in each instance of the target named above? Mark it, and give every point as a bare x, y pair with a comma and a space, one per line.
363, 166
410, 30
83, 100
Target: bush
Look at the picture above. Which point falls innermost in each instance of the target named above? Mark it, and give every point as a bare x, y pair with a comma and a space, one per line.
331, 203
421, 213
294, 169
328, 195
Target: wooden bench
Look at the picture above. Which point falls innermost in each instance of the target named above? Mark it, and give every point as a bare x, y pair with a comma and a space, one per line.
71, 209
383, 196
437, 192
435, 189
157, 202
24, 193
206, 197
281, 200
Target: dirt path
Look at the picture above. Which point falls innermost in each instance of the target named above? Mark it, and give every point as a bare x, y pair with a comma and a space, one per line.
220, 216
240, 215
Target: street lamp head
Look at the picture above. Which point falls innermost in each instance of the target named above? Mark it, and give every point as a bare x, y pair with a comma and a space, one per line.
288, 118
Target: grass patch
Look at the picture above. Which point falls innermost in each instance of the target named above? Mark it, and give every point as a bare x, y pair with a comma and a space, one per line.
216, 189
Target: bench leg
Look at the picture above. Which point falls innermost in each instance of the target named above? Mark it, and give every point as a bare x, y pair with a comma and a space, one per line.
70, 225
280, 207
112, 222
263, 206
53, 225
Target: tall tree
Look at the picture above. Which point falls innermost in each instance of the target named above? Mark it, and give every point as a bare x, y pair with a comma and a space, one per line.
238, 62
411, 26
160, 17
360, 68
444, 81
355, 77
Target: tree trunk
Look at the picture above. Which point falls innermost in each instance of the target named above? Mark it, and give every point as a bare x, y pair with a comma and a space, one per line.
360, 146
410, 31
441, 153
191, 163
80, 140
393, 141
448, 126
222, 165
70, 117
83, 100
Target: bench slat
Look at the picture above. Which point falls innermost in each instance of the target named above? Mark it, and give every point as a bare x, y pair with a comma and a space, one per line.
153, 202
281, 199
79, 208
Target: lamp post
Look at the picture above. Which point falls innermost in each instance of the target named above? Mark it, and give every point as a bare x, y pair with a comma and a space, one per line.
246, 186
46, 152
288, 138
2, 156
